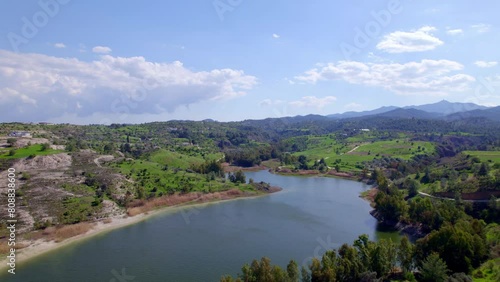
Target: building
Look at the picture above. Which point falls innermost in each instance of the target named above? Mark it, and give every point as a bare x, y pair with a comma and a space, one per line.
24, 134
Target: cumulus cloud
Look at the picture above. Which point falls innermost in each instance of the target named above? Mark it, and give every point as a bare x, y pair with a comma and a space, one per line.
428, 77
482, 27
101, 49
313, 102
484, 64
276, 35
36, 86
456, 31
60, 45
415, 41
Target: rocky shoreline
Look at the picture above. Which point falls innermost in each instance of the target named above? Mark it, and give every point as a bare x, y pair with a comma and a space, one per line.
413, 231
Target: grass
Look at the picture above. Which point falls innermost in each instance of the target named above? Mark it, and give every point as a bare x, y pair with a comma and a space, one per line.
485, 156
488, 271
182, 160
160, 181
33, 150
365, 150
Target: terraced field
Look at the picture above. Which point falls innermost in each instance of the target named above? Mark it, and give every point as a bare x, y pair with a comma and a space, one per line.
485, 156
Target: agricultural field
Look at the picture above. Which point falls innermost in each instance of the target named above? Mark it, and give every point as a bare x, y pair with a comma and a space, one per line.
485, 156
350, 154
33, 150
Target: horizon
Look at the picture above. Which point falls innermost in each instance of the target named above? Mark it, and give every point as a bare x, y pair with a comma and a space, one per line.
229, 121
148, 63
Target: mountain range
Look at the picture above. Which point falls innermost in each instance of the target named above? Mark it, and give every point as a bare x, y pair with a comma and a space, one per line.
440, 110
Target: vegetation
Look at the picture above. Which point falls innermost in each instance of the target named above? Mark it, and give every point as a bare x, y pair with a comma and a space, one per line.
440, 178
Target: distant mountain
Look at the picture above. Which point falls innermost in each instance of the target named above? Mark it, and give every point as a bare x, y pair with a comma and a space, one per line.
364, 113
442, 108
446, 108
488, 113
406, 113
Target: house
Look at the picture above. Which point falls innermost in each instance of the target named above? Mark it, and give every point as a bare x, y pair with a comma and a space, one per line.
365, 130
25, 134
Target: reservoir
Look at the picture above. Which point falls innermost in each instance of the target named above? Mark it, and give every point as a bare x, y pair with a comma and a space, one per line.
202, 243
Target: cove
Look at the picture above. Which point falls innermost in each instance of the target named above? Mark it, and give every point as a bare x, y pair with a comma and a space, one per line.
202, 243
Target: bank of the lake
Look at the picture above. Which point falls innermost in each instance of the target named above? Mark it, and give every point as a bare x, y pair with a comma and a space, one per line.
43, 246
311, 215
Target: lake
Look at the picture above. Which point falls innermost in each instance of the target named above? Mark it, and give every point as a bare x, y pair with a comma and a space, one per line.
310, 215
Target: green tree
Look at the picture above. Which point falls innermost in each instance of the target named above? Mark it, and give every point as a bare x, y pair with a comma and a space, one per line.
305, 275
45, 146
483, 170
237, 177
11, 142
433, 269
412, 186
292, 270
380, 261
406, 252
12, 152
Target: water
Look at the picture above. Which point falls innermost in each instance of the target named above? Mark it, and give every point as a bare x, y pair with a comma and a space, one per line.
310, 215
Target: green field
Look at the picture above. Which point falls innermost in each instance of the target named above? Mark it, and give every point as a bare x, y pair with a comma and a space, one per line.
180, 160
33, 150
351, 154
167, 171
485, 156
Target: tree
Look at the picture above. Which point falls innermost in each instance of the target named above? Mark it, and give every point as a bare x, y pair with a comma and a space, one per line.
304, 275
380, 261
405, 254
483, 170
11, 142
427, 177
292, 270
12, 152
237, 177
433, 269
45, 146
412, 186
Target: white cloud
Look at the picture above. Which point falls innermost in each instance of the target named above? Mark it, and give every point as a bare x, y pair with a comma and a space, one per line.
276, 35
484, 64
101, 49
428, 77
481, 28
59, 45
456, 31
415, 41
270, 102
313, 102
36, 86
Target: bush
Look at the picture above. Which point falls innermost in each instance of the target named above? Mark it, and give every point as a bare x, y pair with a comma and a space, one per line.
45, 147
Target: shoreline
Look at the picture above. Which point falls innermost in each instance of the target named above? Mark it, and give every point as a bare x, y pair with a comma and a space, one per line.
41, 247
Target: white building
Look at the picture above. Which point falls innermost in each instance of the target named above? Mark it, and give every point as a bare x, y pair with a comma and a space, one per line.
24, 134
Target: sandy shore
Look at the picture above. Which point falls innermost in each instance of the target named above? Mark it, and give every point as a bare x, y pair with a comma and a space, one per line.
40, 247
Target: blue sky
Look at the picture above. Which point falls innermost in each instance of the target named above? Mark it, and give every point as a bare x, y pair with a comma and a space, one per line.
129, 61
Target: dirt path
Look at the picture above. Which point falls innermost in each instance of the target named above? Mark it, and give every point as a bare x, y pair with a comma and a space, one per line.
105, 158
355, 148
442, 198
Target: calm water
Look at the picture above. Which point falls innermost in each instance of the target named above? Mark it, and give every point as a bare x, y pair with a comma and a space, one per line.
201, 244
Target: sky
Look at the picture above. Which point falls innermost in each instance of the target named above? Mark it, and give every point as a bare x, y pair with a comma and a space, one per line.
117, 61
